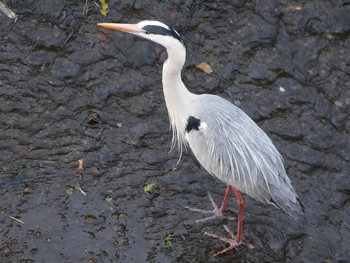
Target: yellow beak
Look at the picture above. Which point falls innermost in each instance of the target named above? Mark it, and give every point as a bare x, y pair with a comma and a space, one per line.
130, 28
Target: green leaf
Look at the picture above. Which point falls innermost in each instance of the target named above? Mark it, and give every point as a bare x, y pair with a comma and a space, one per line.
148, 189
109, 199
69, 191
104, 7
20, 175
169, 240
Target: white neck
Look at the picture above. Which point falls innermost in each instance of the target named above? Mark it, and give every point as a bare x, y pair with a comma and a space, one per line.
175, 91
176, 94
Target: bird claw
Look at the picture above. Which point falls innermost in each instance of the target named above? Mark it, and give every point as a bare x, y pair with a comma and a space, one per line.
232, 241
216, 212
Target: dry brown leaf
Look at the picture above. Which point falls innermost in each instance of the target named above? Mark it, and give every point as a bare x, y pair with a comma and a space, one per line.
205, 67
80, 165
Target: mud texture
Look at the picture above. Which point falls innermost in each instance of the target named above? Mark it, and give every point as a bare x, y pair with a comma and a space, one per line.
70, 91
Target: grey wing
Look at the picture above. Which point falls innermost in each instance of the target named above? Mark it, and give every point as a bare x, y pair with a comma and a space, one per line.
230, 145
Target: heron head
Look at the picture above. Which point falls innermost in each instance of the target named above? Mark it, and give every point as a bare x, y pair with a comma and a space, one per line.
153, 30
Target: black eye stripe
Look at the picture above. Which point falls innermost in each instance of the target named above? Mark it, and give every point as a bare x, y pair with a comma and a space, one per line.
159, 30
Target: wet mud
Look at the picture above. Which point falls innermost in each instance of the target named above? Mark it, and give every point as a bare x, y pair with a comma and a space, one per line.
70, 91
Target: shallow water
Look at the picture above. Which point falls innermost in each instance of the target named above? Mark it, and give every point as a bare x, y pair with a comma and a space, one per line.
73, 91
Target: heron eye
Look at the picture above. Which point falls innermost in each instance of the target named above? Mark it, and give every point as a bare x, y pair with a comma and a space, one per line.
148, 33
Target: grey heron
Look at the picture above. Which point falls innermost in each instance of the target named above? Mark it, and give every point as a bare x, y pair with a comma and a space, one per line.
224, 139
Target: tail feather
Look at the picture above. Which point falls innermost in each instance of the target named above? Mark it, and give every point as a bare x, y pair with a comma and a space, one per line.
290, 204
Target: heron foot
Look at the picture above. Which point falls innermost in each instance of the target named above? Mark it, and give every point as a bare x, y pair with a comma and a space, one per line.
216, 212
233, 243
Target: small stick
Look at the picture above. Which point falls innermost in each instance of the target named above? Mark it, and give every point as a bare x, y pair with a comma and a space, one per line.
18, 220
7, 11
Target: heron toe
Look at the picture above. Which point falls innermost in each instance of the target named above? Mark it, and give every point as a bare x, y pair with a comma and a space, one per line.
215, 213
233, 243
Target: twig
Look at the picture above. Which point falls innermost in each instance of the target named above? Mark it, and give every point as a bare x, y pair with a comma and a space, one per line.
16, 219
86, 7
80, 190
7, 11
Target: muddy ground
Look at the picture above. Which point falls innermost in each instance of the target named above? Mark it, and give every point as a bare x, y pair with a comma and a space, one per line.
72, 91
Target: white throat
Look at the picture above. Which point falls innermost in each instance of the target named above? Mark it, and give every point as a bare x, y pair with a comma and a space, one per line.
176, 94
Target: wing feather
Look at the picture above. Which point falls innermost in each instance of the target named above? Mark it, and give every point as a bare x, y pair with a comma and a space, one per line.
233, 148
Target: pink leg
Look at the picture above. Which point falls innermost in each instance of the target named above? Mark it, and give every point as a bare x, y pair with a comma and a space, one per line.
216, 212
241, 205
226, 198
235, 240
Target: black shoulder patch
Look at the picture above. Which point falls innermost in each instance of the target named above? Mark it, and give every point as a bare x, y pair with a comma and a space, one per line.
159, 30
192, 123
